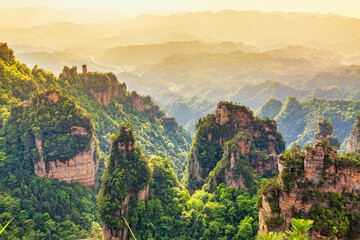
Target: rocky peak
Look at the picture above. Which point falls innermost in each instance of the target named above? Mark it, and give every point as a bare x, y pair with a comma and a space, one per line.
237, 115
353, 144
234, 123
325, 132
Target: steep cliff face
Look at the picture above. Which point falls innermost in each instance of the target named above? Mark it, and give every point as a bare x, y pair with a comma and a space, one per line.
125, 181
353, 144
80, 168
61, 134
254, 142
316, 184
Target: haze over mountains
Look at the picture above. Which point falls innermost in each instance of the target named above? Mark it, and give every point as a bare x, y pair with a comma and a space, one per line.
214, 56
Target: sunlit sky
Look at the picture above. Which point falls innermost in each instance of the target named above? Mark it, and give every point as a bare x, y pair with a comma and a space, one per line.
343, 7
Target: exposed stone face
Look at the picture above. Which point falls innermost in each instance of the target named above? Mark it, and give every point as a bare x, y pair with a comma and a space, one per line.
137, 103
324, 179
81, 168
238, 116
230, 179
222, 115
84, 72
103, 98
354, 139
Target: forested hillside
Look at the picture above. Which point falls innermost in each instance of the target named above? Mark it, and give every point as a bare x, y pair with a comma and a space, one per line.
297, 120
64, 120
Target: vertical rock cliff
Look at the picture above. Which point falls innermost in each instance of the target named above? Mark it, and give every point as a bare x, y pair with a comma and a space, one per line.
353, 144
125, 181
314, 184
56, 136
230, 144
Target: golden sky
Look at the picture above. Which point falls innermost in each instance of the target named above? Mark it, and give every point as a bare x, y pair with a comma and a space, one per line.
343, 7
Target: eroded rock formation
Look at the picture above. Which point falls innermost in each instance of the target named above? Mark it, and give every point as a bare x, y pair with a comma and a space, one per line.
80, 165
325, 132
353, 144
254, 143
308, 183
81, 168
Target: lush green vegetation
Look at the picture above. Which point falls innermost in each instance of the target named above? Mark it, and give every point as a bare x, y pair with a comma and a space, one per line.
170, 212
154, 135
300, 230
42, 208
297, 121
49, 209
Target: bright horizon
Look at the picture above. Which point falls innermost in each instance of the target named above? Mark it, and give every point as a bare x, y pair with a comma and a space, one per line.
349, 8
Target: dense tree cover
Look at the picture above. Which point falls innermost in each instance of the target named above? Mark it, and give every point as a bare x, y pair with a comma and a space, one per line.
41, 118
169, 212
49, 209
297, 121
43, 208
152, 133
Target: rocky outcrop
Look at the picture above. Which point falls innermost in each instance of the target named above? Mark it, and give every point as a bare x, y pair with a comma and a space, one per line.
305, 182
325, 132
105, 96
81, 168
353, 144
103, 87
234, 123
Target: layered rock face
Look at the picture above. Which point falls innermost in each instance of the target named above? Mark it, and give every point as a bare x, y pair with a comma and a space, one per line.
133, 184
81, 168
65, 152
353, 144
254, 142
308, 184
